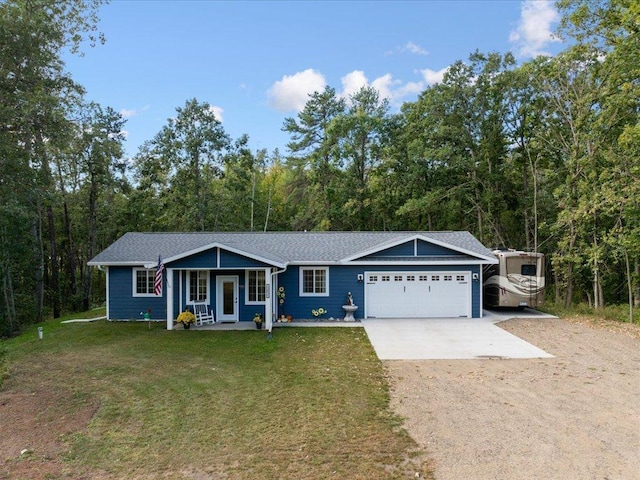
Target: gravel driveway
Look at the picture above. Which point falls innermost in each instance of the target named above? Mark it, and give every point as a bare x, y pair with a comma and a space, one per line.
575, 416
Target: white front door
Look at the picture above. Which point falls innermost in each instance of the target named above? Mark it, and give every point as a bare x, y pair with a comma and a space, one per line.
227, 298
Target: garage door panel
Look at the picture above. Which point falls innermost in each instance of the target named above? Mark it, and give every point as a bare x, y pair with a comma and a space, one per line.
418, 294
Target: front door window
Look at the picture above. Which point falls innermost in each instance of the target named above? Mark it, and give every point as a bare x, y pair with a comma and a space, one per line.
227, 298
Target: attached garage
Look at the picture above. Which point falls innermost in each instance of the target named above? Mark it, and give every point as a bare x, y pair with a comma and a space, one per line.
404, 294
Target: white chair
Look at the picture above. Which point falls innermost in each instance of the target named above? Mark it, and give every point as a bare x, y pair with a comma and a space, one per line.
203, 314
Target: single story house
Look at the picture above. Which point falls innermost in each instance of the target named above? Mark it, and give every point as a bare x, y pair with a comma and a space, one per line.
305, 275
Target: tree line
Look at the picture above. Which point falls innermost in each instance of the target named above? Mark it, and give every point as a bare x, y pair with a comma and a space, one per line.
543, 156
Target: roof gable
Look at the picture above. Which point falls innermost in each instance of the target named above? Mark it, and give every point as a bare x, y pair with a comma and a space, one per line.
425, 246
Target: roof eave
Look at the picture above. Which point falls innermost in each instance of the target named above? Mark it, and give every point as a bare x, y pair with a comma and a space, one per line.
421, 262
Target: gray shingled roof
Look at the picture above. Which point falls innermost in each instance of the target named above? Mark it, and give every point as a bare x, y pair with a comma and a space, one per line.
278, 248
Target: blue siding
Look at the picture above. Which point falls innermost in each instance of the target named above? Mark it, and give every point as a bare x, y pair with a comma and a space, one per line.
402, 250
124, 306
341, 281
209, 259
344, 279
427, 248
408, 250
233, 260
206, 259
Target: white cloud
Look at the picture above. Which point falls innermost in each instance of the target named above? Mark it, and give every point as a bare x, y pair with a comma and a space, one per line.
387, 87
414, 48
534, 30
127, 113
408, 89
352, 82
292, 92
384, 86
432, 77
409, 47
217, 112
132, 112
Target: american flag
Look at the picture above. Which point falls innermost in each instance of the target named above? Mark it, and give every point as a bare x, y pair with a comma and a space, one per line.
157, 284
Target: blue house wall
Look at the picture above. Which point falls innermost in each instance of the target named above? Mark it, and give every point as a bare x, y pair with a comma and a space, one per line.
123, 305
209, 259
409, 249
431, 249
402, 250
344, 279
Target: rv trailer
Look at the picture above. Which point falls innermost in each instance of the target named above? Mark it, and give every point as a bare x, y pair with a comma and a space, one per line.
517, 280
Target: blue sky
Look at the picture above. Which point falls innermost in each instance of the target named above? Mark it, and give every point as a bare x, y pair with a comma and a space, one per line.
256, 62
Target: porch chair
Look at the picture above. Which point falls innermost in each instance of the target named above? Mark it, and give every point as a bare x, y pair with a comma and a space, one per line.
203, 314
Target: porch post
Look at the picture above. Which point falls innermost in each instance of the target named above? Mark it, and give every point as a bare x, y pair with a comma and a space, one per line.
268, 306
169, 291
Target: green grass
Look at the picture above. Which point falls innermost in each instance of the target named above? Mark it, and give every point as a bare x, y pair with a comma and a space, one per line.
309, 403
612, 313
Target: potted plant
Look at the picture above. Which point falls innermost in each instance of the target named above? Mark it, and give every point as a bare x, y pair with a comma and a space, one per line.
186, 318
257, 318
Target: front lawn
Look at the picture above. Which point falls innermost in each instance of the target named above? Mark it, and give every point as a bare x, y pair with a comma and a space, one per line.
309, 403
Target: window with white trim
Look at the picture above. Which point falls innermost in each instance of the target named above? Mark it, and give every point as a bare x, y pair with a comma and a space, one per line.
198, 286
255, 286
143, 280
314, 281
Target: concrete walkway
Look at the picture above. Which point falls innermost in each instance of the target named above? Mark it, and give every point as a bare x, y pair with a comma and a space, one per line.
430, 338
276, 325
450, 338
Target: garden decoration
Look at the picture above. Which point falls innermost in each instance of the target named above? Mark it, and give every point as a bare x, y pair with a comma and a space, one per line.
281, 297
186, 318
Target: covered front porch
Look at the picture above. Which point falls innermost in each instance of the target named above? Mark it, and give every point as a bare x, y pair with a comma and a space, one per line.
233, 295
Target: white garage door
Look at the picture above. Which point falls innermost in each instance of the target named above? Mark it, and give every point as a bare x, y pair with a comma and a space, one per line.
417, 294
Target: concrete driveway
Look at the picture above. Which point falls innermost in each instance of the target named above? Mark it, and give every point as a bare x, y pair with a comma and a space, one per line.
450, 338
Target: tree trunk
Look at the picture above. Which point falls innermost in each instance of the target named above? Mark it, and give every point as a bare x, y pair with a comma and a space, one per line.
253, 198
597, 288
556, 283
636, 289
7, 284
9, 297
55, 287
69, 290
70, 257
629, 284
266, 217
568, 299
93, 195
38, 263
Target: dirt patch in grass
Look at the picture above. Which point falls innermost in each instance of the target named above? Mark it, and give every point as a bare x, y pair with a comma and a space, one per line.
36, 425
572, 416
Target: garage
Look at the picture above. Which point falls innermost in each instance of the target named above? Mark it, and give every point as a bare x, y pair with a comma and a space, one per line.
405, 294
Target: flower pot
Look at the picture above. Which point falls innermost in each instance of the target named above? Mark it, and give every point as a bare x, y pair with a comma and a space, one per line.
187, 326
259, 325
